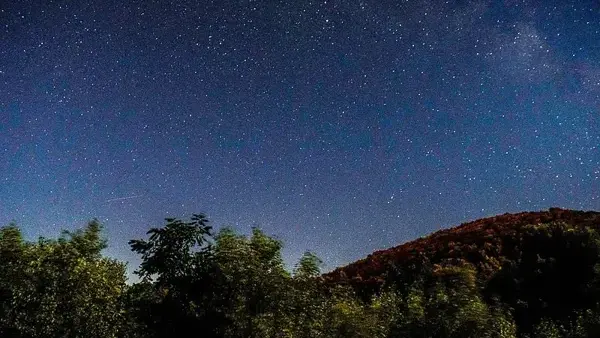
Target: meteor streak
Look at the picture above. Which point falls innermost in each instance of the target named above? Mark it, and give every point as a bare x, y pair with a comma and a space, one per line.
122, 198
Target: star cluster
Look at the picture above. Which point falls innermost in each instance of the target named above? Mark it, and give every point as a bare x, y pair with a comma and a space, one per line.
338, 126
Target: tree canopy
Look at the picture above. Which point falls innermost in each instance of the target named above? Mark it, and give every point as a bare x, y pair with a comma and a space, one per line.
194, 281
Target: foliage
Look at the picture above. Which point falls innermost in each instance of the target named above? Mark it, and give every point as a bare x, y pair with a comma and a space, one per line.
168, 254
254, 281
60, 287
178, 274
529, 280
309, 266
552, 257
450, 305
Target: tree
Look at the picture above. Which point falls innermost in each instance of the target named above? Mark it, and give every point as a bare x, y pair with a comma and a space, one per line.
449, 304
12, 277
254, 281
177, 250
552, 256
309, 266
180, 277
60, 287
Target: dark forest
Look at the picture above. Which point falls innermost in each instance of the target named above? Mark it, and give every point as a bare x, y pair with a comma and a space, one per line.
520, 275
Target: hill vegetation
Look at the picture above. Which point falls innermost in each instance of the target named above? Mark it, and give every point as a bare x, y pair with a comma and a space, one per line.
516, 275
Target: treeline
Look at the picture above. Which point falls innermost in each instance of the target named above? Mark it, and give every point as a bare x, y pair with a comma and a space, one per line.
196, 283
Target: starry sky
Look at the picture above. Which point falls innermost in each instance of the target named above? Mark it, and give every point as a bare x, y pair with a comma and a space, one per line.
337, 126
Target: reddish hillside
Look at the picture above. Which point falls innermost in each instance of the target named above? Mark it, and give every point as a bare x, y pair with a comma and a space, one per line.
484, 242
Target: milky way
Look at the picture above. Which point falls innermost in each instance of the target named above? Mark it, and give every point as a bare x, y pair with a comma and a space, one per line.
337, 126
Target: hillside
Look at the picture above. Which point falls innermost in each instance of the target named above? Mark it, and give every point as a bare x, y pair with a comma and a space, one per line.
485, 243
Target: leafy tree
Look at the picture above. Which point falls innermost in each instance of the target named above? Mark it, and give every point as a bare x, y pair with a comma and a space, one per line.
235, 286
586, 325
551, 257
254, 281
180, 275
307, 301
141, 302
170, 252
548, 329
450, 305
309, 266
12, 277
348, 316
60, 288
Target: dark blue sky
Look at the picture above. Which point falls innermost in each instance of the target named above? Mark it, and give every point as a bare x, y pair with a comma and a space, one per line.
337, 126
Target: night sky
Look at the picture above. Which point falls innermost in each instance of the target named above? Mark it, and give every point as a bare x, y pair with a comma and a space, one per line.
337, 126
